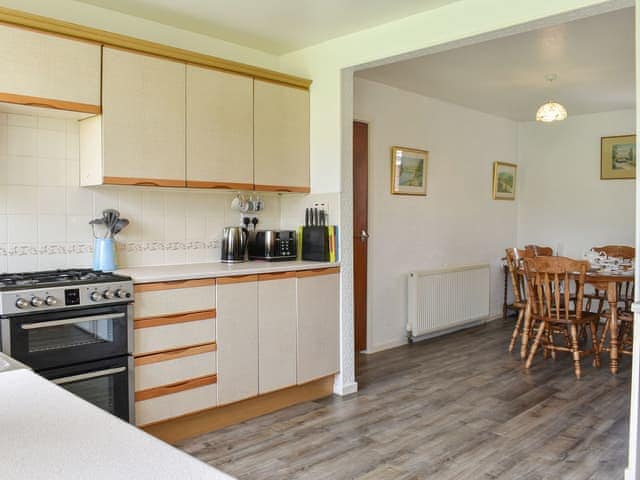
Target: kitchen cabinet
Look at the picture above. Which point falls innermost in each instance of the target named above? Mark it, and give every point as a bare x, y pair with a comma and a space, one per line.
277, 325
281, 137
237, 337
46, 70
140, 137
219, 129
318, 323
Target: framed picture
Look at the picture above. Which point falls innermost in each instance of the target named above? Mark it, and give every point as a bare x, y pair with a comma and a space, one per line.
618, 157
504, 181
409, 171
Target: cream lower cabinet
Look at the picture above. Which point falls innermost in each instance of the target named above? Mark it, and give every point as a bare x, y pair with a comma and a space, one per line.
277, 324
281, 137
140, 137
318, 323
237, 338
175, 349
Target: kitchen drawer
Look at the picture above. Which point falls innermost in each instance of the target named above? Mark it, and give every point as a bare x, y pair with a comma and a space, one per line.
172, 332
185, 400
166, 298
175, 366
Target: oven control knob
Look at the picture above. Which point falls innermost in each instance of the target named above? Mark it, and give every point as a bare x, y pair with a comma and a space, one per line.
21, 303
95, 296
51, 301
120, 293
37, 302
108, 294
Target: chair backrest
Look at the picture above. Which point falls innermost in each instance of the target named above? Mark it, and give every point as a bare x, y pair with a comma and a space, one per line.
539, 250
514, 258
618, 251
549, 285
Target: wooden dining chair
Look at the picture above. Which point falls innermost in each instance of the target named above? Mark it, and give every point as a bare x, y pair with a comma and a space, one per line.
514, 259
539, 250
549, 285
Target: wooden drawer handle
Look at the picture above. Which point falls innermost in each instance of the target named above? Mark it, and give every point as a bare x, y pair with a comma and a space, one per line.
175, 387
190, 283
318, 271
164, 356
148, 322
275, 276
148, 183
237, 279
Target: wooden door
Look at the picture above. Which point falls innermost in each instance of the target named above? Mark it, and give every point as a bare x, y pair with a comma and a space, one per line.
277, 325
219, 129
281, 137
318, 323
360, 233
237, 338
143, 130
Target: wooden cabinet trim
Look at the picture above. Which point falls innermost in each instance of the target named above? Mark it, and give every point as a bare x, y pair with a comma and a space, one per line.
50, 103
155, 286
237, 279
94, 35
221, 185
175, 387
281, 188
148, 182
167, 355
263, 277
318, 272
148, 322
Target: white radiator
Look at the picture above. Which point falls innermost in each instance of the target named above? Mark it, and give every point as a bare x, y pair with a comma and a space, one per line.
447, 299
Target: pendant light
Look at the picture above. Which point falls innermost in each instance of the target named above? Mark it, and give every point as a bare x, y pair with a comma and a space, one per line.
551, 111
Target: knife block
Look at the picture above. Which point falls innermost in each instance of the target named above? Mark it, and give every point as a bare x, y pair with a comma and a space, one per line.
315, 244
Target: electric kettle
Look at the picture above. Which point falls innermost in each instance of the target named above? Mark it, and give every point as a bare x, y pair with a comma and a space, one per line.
234, 244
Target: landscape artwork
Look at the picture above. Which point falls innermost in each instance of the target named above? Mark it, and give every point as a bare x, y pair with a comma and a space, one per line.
618, 157
409, 171
504, 181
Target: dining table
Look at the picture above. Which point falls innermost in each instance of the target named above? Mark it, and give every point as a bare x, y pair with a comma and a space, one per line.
601, 280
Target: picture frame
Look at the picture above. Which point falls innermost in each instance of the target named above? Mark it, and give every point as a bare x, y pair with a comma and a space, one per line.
618, 157
409, 171
504, 180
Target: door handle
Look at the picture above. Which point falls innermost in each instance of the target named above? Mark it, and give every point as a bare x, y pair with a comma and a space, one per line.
364, 235
88, 376
67, 321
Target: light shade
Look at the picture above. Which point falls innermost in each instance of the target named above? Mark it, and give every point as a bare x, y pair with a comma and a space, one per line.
551, 112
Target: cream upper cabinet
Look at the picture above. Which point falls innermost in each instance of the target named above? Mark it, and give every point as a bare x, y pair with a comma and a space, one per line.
318, 324
219, 129
281, 137
237, 338
48, 68
277, 325
140, 137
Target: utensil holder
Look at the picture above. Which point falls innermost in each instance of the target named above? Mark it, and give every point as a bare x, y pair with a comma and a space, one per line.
104, 255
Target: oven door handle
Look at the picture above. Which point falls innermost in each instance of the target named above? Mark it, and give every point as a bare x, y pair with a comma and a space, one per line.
67, 321
87, 376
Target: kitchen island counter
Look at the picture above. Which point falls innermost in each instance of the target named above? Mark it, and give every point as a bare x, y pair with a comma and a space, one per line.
49, 433
167, 273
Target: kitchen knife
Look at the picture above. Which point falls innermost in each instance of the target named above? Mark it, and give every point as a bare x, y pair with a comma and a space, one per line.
306, 217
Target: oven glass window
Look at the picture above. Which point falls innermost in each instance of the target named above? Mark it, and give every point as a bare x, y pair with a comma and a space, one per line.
70, 335
100, 391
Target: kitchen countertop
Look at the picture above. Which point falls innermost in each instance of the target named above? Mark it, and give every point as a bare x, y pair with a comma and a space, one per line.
166, 273
49, 433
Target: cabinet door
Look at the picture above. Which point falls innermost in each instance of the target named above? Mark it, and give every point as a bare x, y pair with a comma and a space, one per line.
143, 130
237, 338
318, 324
277, 325
219, 129
48, 68
281, 137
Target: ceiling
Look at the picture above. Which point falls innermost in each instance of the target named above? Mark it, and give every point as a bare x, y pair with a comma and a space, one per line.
594, 59
275, 26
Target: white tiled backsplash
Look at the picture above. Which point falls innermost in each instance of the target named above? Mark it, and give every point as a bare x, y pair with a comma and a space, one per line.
44, 214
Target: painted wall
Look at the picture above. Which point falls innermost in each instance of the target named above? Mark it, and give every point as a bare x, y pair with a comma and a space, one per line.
563, 203
457, 223
44, 213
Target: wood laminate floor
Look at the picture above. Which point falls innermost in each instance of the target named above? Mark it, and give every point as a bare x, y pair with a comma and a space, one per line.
455, 407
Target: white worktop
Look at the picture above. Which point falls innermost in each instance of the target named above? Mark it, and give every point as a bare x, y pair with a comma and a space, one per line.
49, 433
166, 273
